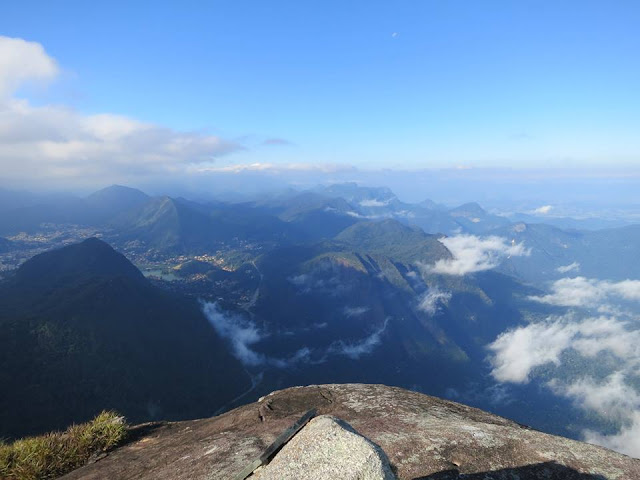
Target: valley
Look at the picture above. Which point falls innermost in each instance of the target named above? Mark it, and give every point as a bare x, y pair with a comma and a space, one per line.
312, 287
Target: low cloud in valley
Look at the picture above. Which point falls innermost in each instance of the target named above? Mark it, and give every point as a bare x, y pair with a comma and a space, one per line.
589, 292
476, 254
433, 300
242, 334
611, 341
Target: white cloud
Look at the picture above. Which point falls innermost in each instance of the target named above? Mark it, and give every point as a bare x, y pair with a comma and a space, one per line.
575, 266
517, 352
374, 203
351, 312
353, 214
431, 301
307, 283
627, 289
301, 280
355, 350
302, 355
475, 254
612, 398
543, 210
326, 277
275, 168
587, 292
60, 143
241, 334
573, 292
22, 61
626, 441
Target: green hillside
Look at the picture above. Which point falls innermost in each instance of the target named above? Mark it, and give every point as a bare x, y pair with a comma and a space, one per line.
87, 332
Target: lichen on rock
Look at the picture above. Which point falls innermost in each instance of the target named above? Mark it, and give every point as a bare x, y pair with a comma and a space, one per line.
327, 448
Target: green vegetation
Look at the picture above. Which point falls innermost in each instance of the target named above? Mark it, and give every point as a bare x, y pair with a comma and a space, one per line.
394, 240
179, 226
54, 454
88, 332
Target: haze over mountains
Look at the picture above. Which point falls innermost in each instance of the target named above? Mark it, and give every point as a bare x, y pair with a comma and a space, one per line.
341, 283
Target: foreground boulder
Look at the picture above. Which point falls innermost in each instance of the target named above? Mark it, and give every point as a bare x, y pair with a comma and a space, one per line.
327, 448
422, 436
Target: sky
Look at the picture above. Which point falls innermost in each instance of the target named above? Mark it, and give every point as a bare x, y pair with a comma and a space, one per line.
121, 91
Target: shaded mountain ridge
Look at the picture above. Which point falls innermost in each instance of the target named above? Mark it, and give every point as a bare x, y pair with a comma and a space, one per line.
88, 332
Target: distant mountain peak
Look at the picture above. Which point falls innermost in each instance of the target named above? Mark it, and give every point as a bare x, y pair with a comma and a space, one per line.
118, 190
354, 192
115, 200
393, 239
430, 204
472, 208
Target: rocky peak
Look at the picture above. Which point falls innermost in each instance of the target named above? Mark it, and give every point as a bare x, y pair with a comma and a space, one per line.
423, 438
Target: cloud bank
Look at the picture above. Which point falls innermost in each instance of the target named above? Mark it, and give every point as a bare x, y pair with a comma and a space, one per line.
475, 254
616, 345
61, 143
612, 398
587, 292
517, 352
277, 168
611, 395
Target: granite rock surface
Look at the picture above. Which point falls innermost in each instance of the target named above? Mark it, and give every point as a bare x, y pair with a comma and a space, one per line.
327, 448
423, 437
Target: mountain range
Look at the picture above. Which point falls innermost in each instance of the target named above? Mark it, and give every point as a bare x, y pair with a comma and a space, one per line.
332, 284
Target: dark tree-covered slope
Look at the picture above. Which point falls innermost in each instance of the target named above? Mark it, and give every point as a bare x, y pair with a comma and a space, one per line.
82, 330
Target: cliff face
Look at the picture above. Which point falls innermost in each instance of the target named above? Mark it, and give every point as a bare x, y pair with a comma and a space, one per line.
423, 437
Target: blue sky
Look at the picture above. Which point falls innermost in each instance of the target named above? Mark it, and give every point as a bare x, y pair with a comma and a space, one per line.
374, 84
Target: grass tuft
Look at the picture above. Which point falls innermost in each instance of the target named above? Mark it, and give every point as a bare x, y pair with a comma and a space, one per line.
54, 454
